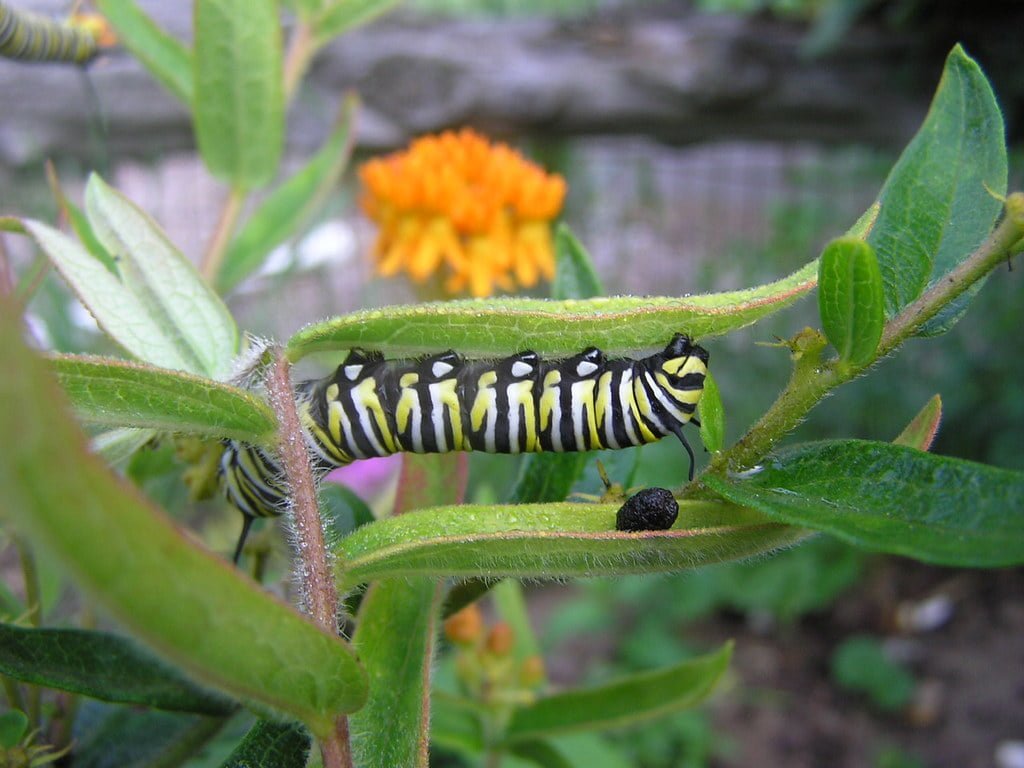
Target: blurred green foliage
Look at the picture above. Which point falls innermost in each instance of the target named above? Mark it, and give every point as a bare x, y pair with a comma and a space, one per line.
861, 664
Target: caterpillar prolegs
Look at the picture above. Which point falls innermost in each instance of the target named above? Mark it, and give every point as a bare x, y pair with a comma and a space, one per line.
520, 404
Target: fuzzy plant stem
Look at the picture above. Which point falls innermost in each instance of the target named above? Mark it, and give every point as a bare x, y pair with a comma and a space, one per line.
317, 583
301, 48
215, 251
813, 379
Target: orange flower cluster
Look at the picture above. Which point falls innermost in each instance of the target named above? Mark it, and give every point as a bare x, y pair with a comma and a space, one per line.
456, 202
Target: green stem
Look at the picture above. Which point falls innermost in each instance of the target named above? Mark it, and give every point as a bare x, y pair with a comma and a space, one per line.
301, 48
214, 256
812, 379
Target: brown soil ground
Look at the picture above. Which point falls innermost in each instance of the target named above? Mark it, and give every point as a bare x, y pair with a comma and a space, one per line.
780, 707
785, 709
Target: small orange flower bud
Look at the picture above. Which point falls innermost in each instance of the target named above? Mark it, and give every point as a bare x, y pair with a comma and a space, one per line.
500, 639
464, 627
532, 672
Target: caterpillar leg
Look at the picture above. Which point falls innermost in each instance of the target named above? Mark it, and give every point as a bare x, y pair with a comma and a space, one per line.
246, 525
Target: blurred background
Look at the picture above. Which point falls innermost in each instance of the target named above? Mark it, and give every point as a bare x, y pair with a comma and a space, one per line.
706, 145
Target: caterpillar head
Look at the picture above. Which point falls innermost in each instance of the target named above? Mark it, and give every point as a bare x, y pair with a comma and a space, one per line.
682, 357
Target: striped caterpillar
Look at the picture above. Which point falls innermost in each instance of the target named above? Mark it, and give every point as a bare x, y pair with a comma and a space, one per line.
520, 404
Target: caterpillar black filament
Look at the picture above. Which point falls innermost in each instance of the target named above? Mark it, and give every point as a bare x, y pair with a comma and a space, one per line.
375, 407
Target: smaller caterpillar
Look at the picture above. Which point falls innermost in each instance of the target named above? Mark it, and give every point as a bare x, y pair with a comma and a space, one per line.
520, 404
29, 37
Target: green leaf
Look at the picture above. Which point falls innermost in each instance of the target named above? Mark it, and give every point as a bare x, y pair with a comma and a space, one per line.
336, 17
239, 89
497, 327
550, 541
936, 206
343, 510
850, 299
118, 393
547, 477
192, 317
158, 308
101, 666
271, 745
464, 593
575, 277
118, 445
304, 8
455, 723
628, 701
289, 207
133, 738
396, 630
860, 664
575, 750
122, 314
13, 726
712, 416
167, 58
187, 605
541, 753
79, 223
893, 499
920, 432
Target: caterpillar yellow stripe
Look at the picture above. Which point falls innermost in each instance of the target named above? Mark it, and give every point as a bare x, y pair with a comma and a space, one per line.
375, 407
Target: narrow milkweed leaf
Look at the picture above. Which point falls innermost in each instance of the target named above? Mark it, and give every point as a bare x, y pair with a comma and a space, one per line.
289, 207
168, 59
628, 701
102, 666
575, 276
550, 541
119, 312
238, 106
893, 499
498, 327
192, 319
335, 17
116, 393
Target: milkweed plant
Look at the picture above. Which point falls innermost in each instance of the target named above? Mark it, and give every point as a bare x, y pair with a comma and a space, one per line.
343, 675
